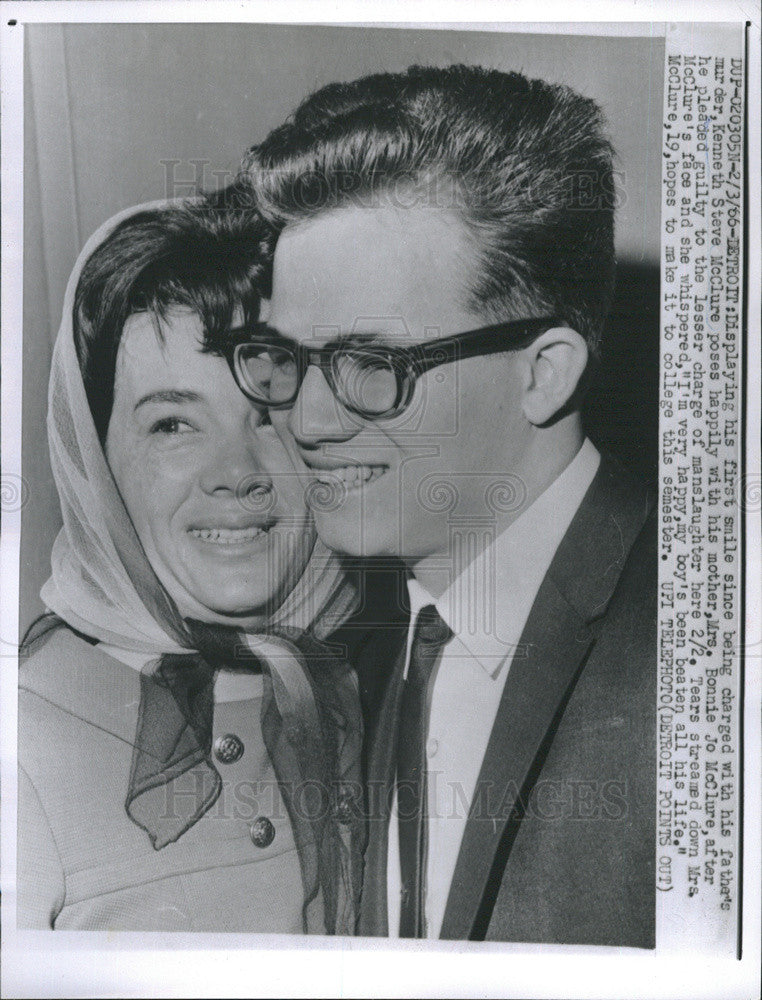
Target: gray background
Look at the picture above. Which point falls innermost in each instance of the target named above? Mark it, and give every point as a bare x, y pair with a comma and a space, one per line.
120, 114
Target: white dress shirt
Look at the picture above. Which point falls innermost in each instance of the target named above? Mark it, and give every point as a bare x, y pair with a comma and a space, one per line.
486, 607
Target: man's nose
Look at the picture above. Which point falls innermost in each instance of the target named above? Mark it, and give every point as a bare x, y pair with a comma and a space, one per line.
317, 415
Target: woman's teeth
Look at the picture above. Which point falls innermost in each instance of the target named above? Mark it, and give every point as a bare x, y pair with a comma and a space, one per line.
349, 475
228, 536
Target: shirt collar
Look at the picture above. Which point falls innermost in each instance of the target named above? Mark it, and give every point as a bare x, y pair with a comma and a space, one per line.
487, 605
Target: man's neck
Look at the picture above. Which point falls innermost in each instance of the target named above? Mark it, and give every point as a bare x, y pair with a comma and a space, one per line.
435, 572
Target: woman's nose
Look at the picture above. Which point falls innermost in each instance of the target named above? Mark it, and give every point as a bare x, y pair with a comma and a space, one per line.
317, 415
234, 467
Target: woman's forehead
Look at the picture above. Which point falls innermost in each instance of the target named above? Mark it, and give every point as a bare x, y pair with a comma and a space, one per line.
147, 336
156, 349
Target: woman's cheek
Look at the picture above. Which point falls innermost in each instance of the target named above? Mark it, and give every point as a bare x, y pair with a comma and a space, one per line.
153, 482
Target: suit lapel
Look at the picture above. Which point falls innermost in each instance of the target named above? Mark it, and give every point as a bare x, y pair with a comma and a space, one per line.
557, 639
538, 685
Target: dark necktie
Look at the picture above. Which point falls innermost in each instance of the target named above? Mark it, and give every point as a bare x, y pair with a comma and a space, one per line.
430, 636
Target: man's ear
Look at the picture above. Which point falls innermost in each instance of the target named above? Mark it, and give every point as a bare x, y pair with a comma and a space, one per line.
551, 367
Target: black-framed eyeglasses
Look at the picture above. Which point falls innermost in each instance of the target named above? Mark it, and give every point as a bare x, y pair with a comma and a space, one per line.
371, 380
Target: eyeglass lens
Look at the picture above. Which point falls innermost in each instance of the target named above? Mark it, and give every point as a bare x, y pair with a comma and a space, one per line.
271, 373
364, 378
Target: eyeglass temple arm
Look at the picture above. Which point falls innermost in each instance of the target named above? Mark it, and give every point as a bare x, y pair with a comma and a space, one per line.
492, 339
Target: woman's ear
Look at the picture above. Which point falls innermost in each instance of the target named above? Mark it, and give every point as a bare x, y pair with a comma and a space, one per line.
552, 367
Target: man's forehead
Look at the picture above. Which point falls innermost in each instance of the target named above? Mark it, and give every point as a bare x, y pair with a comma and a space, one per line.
354, 265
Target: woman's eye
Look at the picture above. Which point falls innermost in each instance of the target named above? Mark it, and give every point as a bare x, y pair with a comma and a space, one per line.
171, 426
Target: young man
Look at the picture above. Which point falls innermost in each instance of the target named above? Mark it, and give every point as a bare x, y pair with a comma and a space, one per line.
441, 277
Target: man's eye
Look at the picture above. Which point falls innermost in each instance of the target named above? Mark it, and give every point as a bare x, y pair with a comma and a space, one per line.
370, 360
171, 426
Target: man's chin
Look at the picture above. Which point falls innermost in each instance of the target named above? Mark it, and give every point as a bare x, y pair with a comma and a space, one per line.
349, 538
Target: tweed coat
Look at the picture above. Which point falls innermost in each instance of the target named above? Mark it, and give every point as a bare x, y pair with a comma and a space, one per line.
83, 864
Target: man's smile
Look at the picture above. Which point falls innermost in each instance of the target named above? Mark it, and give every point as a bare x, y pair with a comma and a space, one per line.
336, 471
350, 477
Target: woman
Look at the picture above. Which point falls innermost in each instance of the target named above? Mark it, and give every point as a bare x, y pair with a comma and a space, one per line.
188, 744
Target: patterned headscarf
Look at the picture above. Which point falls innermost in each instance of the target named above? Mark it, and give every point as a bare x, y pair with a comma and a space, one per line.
103, 585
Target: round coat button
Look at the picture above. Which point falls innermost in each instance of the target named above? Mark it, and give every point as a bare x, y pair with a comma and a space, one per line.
262, 832
228, 748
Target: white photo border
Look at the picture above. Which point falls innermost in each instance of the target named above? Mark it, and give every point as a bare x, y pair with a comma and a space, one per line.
103, 964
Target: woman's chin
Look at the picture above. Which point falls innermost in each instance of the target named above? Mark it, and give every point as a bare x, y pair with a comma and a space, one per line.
236, 598
222, 609
241, 588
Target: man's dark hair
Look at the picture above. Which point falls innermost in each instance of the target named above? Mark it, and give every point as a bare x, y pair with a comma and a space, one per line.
526, 164
209, 256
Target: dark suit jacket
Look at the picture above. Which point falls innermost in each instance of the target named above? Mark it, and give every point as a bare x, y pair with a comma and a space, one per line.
560, 841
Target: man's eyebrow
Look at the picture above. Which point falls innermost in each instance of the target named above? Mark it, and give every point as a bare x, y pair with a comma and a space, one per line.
353, 337
265, 330
240, 334
169, 396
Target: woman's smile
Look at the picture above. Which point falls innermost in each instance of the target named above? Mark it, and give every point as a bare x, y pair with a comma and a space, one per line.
238, 528
228, 537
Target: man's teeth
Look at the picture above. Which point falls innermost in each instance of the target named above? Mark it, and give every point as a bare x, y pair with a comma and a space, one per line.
228, 536
349, 475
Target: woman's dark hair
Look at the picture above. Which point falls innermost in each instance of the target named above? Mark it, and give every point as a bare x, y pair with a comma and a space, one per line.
211, 256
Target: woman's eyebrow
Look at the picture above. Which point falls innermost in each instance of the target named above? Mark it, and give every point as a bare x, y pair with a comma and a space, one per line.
169, 396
